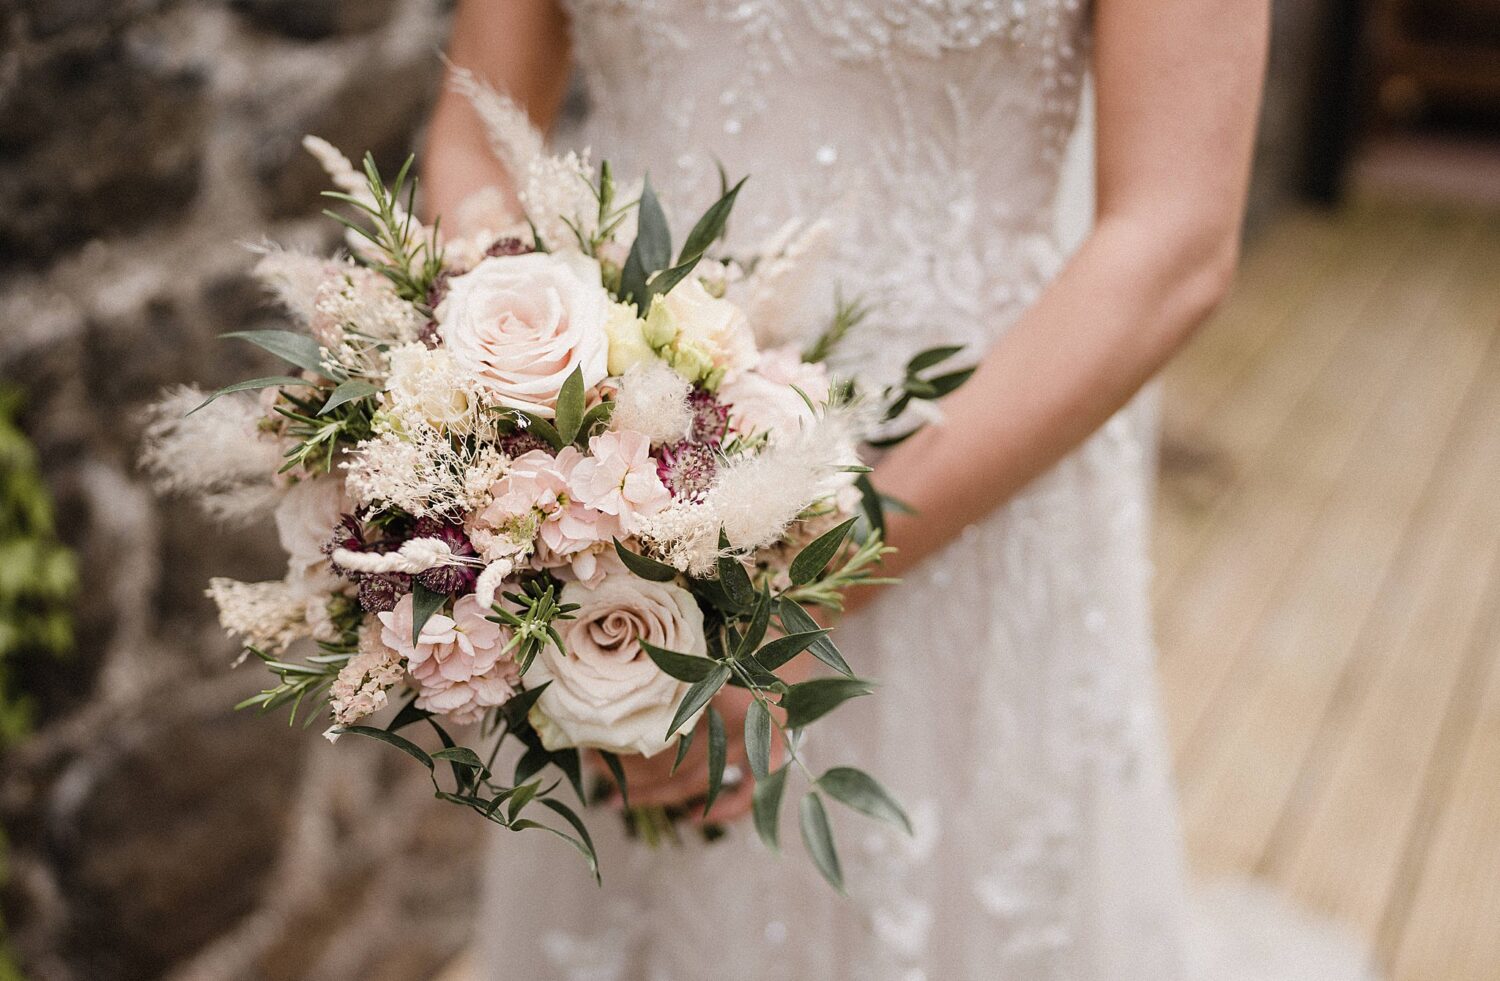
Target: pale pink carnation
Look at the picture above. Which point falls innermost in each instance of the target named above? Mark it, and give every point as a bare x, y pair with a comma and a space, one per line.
535, 491
619, 478
460, 664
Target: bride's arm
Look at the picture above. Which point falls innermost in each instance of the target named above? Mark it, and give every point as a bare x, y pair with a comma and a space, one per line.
1178, 85
520, 47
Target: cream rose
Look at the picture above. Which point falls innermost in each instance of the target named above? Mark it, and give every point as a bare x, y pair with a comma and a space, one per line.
705, 338
606, 692
521, 325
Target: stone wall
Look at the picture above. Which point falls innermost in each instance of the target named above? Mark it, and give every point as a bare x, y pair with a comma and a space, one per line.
153, 832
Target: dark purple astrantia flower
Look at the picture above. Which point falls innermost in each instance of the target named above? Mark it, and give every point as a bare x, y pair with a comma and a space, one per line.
380, 592
710, 417
522, 441
687, 468
449, 579
509, 245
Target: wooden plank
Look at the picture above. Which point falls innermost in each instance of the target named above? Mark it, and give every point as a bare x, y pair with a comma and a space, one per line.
1258, 727
1444, 921
1340, 840
1227, 588
1268, 411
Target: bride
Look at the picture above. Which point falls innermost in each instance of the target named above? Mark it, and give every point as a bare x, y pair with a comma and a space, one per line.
1018, 718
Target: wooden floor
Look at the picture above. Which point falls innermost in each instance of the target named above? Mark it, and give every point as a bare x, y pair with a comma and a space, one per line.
1328, 550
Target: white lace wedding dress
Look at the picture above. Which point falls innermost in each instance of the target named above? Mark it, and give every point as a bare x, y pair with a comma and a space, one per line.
1017, 716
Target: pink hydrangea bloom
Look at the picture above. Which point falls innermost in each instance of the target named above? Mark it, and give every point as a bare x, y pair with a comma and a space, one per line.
459, 663
619, 478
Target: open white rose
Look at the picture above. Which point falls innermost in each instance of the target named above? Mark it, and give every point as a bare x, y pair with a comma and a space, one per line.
521, 324
606, 692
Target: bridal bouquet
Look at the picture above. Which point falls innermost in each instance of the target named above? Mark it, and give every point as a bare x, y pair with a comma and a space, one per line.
540, 483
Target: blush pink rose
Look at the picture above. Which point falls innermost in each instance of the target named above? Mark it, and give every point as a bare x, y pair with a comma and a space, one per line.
606, 692
460, 663
521, 325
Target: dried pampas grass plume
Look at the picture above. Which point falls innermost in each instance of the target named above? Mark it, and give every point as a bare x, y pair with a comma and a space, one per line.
215, 455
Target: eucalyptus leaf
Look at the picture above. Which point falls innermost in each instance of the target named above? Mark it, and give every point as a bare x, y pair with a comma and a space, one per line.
781, 650
684, 743
758, 738
298, 349
544, 429
732, 575
859, 790
569, 410
409, 713
463, 756
348, 391
946, 384
577, 824
593, 419
662, 283
651, 251
765, 807
521, 797
519, 704
697, 696
718, 752
795, 619
810, 562
532, 762
817, 835
711, 225
390, 738
932, 356
618, 772
642, 566
755, 630
273, 381
870, 501
814, 699
684, 667
424, 603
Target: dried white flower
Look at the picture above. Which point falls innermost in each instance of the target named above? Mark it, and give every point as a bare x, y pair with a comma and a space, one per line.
355, 305
293, 277
554, 190
755, 497
217, 455
267, 615
414, 556
422, 471
653, 401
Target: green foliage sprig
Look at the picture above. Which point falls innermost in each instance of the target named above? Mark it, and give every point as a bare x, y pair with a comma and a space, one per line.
410, 262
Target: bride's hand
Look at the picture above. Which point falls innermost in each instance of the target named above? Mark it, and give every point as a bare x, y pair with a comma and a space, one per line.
651, 782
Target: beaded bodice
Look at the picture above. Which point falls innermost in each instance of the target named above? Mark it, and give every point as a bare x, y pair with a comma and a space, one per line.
930, 132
